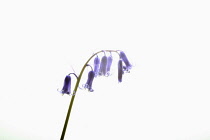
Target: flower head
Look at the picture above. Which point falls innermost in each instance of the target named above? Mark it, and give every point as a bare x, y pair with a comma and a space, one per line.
120, 70
124, 58
89, 82
67, 85
96, 65
103, 66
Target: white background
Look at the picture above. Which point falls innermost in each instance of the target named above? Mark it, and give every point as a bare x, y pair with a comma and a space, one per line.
165, 97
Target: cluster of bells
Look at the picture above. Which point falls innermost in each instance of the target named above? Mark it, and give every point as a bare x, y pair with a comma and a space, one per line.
101, 68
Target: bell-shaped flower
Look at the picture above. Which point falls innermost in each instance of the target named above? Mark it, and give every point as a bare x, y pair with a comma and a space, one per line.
103, 66
109, 63
120, 70
89, 82
96, 65
124, 58
67, 85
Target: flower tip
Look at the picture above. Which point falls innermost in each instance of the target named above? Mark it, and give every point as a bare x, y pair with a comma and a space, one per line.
91, 90
63, 92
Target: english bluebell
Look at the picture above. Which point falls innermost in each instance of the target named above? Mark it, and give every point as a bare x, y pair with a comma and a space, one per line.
100, 67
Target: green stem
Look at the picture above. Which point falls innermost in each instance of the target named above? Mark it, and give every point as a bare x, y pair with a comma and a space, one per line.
75, 90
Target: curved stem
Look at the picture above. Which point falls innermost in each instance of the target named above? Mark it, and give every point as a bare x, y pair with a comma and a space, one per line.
74, 75
90, 66
75, 90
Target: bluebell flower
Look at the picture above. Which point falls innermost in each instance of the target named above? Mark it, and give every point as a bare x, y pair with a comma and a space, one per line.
96, 65
124, 58
67, 85
103, 66
120, 70
109, 63
89, 82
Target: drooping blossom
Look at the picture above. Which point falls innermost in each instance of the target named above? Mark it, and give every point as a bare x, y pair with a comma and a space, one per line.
109, 63
120, 70
67, 85
103, 66
124, 58
96, 65
89, 82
